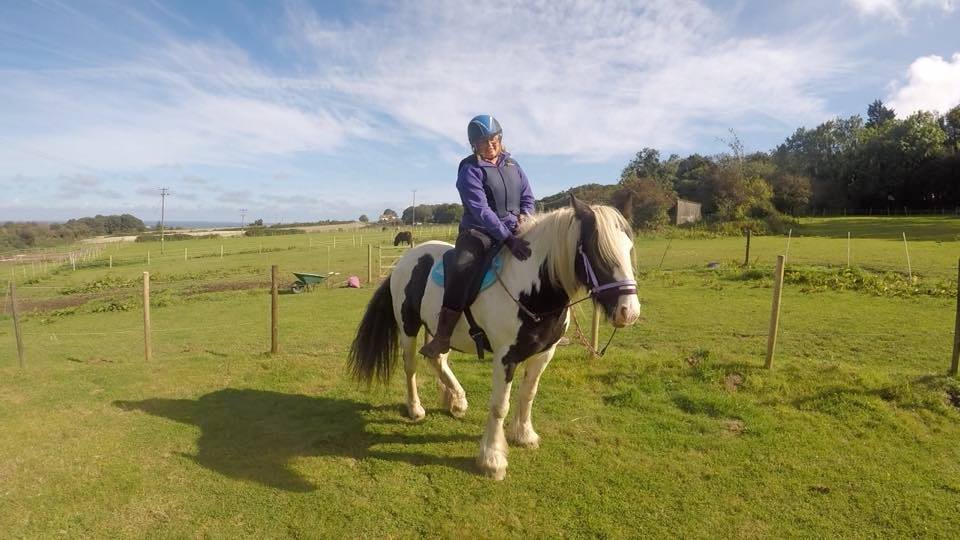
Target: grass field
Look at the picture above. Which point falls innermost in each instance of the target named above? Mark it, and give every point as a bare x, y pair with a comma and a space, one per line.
677, 431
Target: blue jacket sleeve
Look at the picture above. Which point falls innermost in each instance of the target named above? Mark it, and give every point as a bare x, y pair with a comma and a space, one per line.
470, 186
527, 200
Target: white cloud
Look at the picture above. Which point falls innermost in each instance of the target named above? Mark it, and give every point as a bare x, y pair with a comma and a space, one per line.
897, 10
932, 84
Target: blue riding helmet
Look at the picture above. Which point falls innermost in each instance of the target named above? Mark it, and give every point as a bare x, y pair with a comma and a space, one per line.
483, 126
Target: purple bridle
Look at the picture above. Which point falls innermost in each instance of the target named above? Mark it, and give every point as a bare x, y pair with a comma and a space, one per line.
624, 287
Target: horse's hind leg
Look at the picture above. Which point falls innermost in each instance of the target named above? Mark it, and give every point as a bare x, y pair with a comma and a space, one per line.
520, 432
452, 395
409, 345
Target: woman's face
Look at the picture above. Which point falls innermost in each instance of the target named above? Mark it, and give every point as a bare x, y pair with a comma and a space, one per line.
490, 148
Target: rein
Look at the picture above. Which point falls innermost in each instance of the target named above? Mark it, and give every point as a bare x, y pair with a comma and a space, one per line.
624, 287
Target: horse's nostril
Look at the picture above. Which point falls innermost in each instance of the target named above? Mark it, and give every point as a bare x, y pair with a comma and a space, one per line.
623, 312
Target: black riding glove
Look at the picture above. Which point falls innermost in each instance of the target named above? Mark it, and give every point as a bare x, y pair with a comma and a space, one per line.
518, 246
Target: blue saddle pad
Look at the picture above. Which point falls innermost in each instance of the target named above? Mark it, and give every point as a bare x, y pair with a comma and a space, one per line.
489, 277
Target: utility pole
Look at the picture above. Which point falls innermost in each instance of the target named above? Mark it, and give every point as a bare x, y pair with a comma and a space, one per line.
243, 216
163, 197
413, 213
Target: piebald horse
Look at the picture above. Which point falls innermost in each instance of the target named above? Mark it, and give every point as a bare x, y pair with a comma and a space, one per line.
577, 250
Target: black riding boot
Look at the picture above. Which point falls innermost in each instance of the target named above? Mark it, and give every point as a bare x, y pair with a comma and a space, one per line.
440, 344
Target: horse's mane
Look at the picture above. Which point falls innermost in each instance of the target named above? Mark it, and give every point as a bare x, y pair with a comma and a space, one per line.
557, 233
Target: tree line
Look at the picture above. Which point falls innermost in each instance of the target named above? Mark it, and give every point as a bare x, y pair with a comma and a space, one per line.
425, 213
881, 164
36, 234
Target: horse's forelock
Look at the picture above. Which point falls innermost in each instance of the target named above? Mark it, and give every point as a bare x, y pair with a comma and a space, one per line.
559, 232
610, 222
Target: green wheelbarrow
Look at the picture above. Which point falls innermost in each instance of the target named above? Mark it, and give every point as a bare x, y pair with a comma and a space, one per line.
307, 281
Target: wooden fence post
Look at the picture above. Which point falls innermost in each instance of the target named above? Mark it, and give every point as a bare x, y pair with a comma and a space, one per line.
595, 329
848, 249
369, 263
148, 258
184, 253
956, 330
16, 322
274, 311
905, 248
775, 312
379, 261
746, 258
221, 251
111, 261
147, 346
786, 254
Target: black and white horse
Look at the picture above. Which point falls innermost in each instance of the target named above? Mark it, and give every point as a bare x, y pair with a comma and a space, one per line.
576, 250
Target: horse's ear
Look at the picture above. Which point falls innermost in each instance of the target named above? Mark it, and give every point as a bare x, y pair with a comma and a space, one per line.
580, 209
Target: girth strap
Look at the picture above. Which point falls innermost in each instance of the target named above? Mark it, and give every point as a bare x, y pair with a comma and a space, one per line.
477, 333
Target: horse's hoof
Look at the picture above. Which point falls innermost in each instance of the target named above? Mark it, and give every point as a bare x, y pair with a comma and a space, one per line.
523, 436
458, 407
493, 464
416, 412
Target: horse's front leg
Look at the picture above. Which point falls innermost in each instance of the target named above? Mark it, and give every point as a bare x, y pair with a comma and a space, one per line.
520, 432
493, 446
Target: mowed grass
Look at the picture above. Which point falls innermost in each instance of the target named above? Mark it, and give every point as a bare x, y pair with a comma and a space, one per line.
677, 431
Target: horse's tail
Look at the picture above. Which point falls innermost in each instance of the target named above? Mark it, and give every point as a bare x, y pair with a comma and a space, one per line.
374, 351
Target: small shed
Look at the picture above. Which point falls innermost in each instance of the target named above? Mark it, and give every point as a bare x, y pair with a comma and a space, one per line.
687, 212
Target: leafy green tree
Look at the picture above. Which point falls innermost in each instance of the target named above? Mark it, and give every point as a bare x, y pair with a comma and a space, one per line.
364, 219
644, 202
878, 114
448, 213
791, 193
951, 129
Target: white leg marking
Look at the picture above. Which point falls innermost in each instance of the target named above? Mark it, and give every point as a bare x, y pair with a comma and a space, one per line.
452, 395
520, 432
493, 446
414, 409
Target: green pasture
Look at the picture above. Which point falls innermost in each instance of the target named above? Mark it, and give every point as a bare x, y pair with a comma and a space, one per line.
677, 431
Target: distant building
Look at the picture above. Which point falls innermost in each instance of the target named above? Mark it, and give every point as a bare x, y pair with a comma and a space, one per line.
687, 212
388, 218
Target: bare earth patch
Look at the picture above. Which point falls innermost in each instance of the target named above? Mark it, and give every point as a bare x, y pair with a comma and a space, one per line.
734, 427
733, 381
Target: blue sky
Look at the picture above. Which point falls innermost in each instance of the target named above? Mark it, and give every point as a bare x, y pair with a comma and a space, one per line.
300, 111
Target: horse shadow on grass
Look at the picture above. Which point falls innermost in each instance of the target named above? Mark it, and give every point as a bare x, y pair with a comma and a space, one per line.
255, 434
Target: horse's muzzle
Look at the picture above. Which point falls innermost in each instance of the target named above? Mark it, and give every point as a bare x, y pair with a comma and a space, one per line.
627, 311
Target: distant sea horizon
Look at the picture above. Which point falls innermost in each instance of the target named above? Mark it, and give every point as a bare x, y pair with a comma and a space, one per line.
188, 224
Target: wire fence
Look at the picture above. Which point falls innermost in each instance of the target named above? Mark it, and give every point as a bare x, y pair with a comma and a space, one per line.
59, 290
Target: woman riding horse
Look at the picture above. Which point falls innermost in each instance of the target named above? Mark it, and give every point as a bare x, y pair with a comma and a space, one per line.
496, 197
575, 250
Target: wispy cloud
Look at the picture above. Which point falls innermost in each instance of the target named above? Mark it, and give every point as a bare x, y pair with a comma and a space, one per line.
574, 81
899, 11
594, 79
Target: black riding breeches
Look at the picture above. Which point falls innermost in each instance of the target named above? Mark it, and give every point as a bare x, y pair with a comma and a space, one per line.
462, 277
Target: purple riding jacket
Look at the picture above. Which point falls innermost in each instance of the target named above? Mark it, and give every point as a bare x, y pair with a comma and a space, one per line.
477, 211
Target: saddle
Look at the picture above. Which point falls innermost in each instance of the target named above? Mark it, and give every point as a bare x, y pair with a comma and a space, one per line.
490, 267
